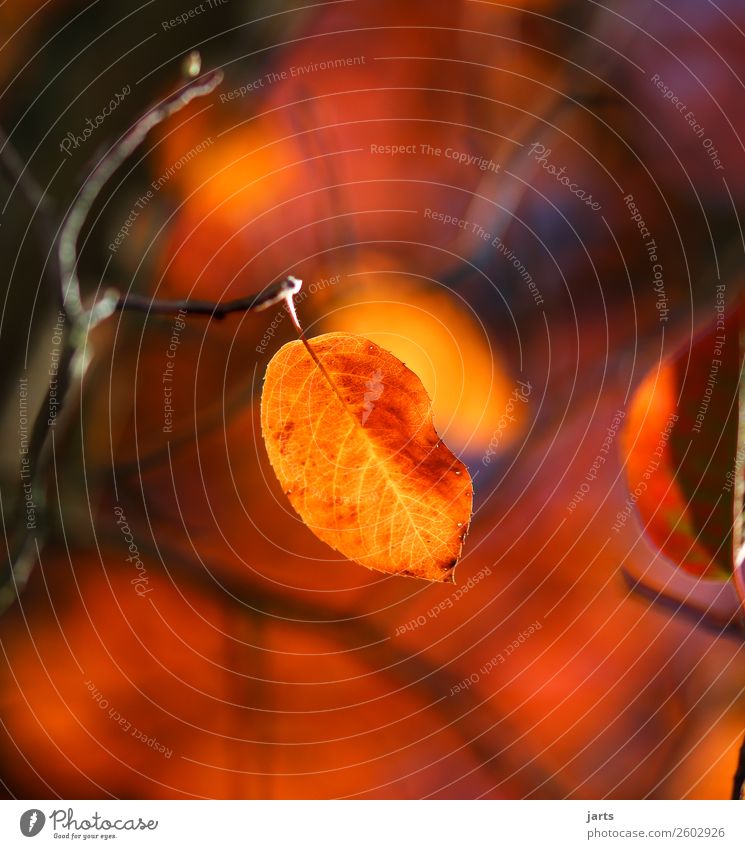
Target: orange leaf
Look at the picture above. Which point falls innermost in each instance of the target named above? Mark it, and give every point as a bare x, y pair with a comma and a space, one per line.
356, 451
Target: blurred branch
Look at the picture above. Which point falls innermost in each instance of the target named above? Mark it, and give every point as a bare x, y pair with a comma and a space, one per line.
17, 174
587, 72
488, 734
738, 789
43, 218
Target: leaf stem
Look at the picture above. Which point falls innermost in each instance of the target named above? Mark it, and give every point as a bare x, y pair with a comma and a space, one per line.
290, 305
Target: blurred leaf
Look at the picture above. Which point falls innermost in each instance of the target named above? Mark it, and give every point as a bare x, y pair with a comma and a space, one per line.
683, 445
360, 460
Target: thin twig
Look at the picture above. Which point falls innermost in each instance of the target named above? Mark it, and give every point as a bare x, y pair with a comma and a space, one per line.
273, 294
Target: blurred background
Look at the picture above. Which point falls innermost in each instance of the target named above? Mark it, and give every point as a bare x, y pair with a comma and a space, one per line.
539, 197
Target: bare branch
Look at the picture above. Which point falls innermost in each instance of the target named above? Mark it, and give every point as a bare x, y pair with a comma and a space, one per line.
91, 188
24, 548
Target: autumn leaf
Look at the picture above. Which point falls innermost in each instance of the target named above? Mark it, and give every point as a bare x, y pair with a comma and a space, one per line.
352, 441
